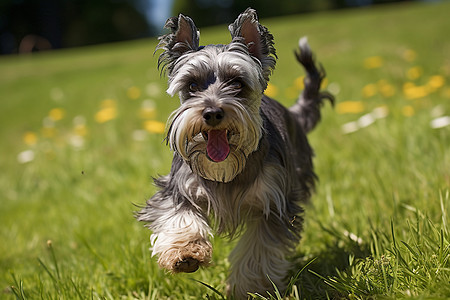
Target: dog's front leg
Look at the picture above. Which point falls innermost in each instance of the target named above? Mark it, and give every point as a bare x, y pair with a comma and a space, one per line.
180, 235
259, 259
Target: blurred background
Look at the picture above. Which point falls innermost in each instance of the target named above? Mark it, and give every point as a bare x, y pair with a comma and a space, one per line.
32, 25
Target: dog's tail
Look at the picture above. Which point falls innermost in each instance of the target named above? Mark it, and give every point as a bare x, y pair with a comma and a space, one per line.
307, 108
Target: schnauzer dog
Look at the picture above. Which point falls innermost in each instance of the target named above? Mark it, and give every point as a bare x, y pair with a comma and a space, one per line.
242, 163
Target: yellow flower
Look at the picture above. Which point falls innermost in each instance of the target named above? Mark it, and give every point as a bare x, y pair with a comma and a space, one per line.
56, 114
107, 112
373, 62
408, 111
299, 83
30, 138
271, 90
412, 91
435, 82
324, 83
108, 103
80, 130
414, 73
147, 113
133, 93
369, 90
409, 55
350, 107
154, 126
386, 89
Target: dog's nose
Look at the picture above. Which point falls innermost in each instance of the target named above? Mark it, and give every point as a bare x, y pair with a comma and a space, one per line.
213, 115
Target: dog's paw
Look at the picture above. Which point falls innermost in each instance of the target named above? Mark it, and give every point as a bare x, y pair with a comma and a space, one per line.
187, 265
188, 258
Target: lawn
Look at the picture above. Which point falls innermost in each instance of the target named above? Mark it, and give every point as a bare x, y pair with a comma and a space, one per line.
82, 136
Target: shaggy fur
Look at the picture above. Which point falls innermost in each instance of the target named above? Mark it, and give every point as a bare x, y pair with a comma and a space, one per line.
240, 158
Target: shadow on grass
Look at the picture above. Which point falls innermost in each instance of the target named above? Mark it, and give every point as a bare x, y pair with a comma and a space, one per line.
336, 257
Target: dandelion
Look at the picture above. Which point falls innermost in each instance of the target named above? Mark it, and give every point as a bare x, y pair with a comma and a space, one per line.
133, 93
25, 156
350, 107
409, 55
412, 91
48, 127
77, 141
436, 82
408, 111
56, 114
380, 112
80, 130
153, 126
334, 88
440, 122
324, 83
365, 120
108, 103
414, 73
79, 126
386, 89
271, 90
30, 138
369, 90
107, 112
373, 62
350, 127
299, 83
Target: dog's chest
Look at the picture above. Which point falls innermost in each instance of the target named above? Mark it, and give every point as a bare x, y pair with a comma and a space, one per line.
249, 196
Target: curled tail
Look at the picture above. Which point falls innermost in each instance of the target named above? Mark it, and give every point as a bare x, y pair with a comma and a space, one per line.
307, 108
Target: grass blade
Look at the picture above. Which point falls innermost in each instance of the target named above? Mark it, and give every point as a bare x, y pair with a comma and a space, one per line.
210, 287
297, 275
18, 289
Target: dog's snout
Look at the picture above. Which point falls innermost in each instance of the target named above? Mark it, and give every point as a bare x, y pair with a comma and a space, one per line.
213, 115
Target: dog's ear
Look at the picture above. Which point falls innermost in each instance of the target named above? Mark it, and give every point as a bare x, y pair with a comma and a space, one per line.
183, 37
259, 41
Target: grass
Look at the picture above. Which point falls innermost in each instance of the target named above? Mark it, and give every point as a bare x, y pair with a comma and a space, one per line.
81, 139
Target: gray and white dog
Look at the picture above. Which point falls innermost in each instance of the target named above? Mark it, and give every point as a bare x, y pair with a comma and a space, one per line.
241, 160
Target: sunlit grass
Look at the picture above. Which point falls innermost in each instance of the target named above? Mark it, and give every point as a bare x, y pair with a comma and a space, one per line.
82, 134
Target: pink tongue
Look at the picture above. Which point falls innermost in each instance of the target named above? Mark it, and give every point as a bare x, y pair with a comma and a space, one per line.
217, 147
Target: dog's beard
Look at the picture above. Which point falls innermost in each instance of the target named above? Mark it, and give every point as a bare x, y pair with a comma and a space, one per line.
188, 135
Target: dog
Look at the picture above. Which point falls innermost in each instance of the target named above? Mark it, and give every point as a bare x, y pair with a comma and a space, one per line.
242, 163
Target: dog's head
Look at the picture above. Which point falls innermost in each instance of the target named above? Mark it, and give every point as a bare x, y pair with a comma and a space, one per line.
218, 124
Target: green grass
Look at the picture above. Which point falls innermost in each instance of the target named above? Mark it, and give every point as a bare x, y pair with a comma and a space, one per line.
377, 226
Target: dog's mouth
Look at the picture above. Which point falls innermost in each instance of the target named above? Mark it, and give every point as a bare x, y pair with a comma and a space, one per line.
217, 147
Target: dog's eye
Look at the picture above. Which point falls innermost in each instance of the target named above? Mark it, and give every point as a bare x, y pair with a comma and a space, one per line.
236, 84
194, 87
